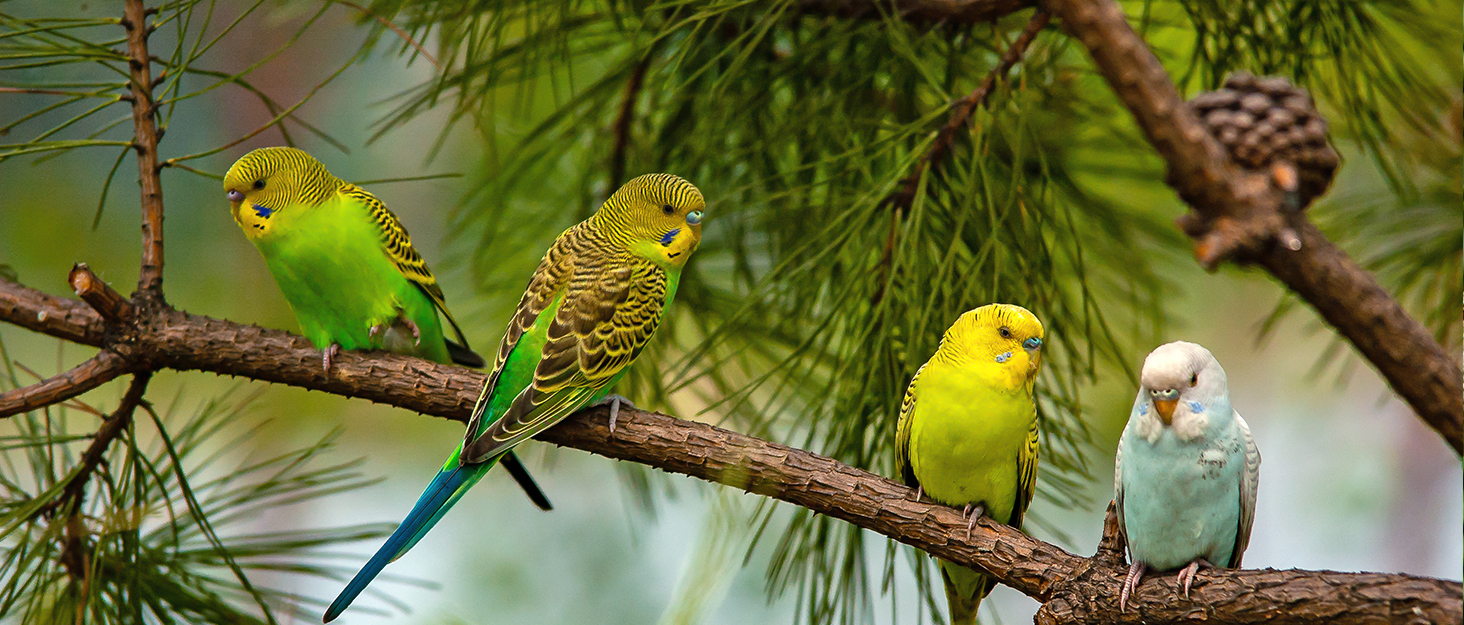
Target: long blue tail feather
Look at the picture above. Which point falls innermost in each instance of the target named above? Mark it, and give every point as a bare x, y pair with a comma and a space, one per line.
444, 491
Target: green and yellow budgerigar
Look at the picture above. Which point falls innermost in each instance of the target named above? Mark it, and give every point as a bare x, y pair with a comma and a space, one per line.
594, 302
967, 434
346, 265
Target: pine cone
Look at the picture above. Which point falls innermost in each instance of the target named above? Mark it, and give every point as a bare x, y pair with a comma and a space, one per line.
1268, 123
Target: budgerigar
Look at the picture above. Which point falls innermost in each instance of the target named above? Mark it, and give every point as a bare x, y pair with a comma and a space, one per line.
1186, 472
967, 434
594, 302
346, 265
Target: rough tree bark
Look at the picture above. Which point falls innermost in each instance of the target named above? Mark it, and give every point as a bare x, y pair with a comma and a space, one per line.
143, 335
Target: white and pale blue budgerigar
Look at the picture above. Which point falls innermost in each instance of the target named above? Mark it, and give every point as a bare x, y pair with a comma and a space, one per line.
1186, 472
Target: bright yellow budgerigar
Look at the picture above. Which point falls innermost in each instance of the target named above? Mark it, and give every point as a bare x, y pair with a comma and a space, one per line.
967, 434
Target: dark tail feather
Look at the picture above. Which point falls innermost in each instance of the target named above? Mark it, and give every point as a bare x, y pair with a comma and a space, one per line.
440, 495
464, 356
525, 481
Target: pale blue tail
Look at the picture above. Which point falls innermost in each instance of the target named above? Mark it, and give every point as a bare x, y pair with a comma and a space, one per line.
444, 491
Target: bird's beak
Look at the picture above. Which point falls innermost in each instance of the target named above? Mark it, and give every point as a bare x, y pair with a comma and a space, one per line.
1165, 408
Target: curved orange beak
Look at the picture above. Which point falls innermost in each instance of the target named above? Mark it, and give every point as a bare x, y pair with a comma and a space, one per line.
1165, 408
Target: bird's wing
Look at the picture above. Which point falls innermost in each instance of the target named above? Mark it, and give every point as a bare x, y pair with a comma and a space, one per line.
607, 314
397, 245
546, 287
1249, 480
1027, 474
902, 434
1118, 482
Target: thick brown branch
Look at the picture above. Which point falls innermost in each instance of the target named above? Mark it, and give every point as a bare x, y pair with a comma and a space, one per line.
145, 141
96, 371
1087, 587
962, 110
55, 316
1241, 215
920, 12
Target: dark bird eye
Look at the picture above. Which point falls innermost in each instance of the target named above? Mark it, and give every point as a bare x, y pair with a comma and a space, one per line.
258, 184
1194, 379
1004, 332
668, 209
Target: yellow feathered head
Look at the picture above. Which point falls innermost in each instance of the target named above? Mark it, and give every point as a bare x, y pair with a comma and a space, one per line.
1003, 335
270, 179
657, 216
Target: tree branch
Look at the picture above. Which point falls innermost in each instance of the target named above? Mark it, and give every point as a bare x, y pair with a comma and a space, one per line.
74, 555
625, 117
145, 141
1241, 215
963, 109
96, 371
1086, 586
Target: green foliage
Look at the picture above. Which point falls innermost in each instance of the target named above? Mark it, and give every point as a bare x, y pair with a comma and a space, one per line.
162, 531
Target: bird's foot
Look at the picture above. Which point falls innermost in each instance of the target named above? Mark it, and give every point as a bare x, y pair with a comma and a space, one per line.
1130, 582
376, 330
329, 355
614, 401
972, 511
919, 492
416, 332
1187, 574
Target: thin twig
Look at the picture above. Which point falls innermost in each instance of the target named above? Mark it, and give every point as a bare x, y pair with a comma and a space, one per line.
145, 140
961, 112
394, 28
102, 297
96, 371
74, 555
624, 119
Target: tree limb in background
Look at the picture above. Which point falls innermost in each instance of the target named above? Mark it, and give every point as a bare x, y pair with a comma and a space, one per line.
1087, 587
1240, 215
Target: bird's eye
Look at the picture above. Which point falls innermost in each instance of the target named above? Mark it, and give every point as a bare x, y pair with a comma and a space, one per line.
258, 184
1004, 332
668, 209
1194, 379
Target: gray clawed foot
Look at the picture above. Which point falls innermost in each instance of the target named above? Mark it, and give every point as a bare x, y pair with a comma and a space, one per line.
614, 401
329, 356
972, 511
1130, 581
1187, 574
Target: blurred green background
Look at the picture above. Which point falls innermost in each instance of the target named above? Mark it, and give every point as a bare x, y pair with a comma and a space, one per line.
1351, 480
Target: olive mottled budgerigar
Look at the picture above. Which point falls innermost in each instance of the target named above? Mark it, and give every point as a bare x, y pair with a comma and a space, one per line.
591, 306
346, 265
967, 434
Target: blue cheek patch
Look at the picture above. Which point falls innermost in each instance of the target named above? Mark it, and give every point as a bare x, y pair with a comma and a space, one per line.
1143, 409
1196, 407
670, 236
1004, 357
262, 211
